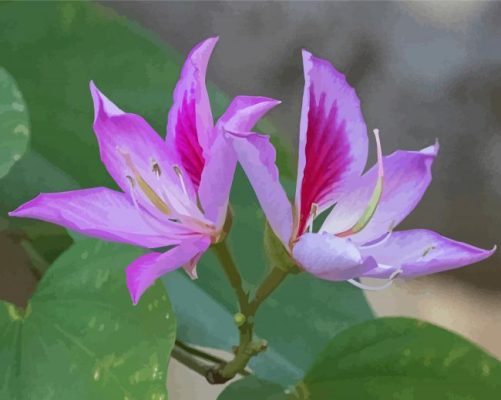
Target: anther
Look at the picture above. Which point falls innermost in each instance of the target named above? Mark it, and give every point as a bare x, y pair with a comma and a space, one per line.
131, 180
179, 174
155, 168
427, 250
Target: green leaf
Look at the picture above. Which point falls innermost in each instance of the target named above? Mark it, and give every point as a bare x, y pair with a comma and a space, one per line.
252, 388
400, 358
81, 337
14, 123
298, 320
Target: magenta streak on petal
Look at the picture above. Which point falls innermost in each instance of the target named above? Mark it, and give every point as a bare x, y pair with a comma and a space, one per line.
190, 131
186, 139
327, 156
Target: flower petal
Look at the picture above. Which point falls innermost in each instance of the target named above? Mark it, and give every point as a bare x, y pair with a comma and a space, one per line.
421, 252
333, 140
217, 177
407, 176
190, 122
331, 258
130, 148
102, 213
257, 156
143, 272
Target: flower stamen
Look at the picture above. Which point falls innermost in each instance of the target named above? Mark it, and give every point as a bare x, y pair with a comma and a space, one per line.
145, 187
140, 211
375, 198
376, 288
179, 174
313, 215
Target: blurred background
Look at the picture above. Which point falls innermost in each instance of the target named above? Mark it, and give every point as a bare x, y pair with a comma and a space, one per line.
423, 70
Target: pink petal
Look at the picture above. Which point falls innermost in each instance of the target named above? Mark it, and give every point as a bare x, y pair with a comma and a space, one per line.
190, 122
421, 252
329, 257
407, 176
332, 141
257, 156
217, 177
102, 213
126, 140
143, 272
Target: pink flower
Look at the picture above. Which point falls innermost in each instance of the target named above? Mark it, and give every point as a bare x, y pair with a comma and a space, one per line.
357, 238
174, 192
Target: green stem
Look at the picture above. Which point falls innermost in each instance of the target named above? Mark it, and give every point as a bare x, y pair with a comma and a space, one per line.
248, 347
231, 272
269, 284
189, 361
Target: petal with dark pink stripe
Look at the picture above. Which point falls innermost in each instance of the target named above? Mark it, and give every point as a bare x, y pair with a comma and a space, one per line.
333, 138
190, 123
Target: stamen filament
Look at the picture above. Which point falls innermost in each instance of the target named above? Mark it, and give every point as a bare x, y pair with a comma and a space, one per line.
145, 187
376, 288
140, 211
313, 215
375, 198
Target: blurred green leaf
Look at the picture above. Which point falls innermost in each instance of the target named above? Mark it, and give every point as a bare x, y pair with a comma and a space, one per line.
14, 123
400, 358
252, 388
32, 175
81, 338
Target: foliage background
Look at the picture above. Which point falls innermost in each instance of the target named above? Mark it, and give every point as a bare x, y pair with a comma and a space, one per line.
422, 70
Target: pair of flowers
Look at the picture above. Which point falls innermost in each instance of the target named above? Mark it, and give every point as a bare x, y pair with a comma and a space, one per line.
176, 192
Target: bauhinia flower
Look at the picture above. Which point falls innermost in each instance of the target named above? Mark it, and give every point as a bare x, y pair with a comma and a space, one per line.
175, 192
357, 238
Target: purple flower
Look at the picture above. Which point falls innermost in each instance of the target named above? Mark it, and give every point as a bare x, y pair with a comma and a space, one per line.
175, 192
357, 238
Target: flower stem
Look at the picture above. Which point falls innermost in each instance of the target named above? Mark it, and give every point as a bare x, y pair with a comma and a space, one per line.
189, 361
247, 347
231, 272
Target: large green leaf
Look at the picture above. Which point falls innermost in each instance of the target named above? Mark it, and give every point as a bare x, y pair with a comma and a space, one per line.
252, 388
81, 338
400, 358
14, 123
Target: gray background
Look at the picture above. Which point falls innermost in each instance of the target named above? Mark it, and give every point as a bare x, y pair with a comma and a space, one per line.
422, 70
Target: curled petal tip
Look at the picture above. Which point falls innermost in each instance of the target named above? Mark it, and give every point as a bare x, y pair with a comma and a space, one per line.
305, 53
